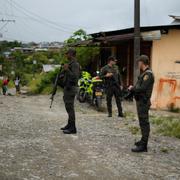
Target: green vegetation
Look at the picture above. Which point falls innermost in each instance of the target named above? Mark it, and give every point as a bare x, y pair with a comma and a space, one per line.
165, 150
129, 115
0, 83
21, 64
85, 55
168, 126
6, 45
134, 129
42, 84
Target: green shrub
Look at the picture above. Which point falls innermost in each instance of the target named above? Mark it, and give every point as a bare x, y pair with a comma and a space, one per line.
11, 84
33, 85
43, 83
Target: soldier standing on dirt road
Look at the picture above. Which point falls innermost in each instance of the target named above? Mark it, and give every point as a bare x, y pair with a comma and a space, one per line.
113, 85
71, 76
142, 92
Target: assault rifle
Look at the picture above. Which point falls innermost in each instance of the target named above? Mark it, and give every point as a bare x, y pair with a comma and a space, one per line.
58, 81
128, 95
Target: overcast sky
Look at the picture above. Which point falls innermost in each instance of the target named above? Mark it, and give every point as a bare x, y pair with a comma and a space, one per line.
55, 20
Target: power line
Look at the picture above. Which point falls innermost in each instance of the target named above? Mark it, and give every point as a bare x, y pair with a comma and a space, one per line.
38, 18
43, 18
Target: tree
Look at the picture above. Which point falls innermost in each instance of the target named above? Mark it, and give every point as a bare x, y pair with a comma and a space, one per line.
85, 55
79, 35
5, 45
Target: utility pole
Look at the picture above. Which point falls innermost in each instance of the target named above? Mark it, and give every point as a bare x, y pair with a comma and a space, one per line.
137, 37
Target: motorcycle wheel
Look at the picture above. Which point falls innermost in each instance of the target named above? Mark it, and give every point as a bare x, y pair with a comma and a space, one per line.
82, 96
99, 103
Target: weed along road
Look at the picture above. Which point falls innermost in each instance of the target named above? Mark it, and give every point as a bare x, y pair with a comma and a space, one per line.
32, 147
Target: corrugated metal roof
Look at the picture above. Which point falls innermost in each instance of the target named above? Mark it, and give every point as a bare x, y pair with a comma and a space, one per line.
176, 20
175, 17
131, 30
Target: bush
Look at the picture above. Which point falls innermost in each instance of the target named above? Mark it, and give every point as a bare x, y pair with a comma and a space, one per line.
33, 84
43, 83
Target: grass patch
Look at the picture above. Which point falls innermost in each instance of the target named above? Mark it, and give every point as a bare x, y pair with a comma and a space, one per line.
47, 90
134, 129
165, 150
129, 115
167, 126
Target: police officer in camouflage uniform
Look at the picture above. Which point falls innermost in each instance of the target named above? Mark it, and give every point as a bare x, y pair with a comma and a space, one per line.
110, 73
142, 92
71, 76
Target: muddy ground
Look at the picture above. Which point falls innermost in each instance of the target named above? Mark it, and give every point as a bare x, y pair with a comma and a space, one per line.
32, 147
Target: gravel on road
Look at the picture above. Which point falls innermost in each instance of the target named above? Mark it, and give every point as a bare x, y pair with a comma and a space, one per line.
32, 147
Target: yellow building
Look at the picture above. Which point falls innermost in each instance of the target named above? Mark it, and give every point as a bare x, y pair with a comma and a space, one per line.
162, 45
166, 66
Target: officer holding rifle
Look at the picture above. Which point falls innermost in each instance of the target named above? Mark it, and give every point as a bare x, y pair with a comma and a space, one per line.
68, 80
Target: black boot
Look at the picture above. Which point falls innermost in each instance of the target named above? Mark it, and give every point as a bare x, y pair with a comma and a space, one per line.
140, 148
138, 143
110, 115
71, 129
109, 108
66, 127
121, 115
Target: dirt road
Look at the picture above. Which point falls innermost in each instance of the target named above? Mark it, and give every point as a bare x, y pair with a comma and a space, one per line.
32, 147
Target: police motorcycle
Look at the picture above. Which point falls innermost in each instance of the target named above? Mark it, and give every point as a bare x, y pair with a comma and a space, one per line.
91, 89
85, 87
98, 91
